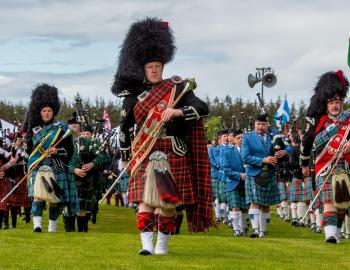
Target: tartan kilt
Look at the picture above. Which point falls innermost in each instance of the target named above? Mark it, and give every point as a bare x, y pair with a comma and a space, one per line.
85, 192
308, 191
326, 195
318, 203
221, 191
283, 190
215, 188
236, 200
20, 196
180, 168
265, 196
65, 181
5, 187
123, 183
297, 191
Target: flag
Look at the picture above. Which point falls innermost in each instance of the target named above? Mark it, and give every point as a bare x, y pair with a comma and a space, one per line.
107, 123
284, 112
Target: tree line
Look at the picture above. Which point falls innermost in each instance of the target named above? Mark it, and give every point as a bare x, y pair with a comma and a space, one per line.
224, 112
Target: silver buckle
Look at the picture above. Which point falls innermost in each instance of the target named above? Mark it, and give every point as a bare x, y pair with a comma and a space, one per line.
158, 155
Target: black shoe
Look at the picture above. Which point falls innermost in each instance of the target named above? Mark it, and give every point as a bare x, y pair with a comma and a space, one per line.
69, 224
294, 222
6, 227
255, 234
144, 252
237, 234
85, 224
331, 239
80, 222
318, 229
93, 219
262, 235
37, 229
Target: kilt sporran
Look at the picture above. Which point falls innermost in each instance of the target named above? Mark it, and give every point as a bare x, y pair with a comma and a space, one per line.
45, 186
263, 178
340, 188
160, 188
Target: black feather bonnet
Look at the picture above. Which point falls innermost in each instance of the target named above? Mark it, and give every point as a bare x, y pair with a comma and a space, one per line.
330, 86
42, 96
147, 40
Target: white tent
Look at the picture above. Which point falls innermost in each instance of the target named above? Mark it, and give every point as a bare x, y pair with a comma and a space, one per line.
7, 126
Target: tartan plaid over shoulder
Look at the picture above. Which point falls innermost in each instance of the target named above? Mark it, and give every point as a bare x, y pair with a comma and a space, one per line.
154, 96
200, 217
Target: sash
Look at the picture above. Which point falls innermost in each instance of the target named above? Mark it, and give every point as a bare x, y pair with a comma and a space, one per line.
331, 150
150, 129
48, 137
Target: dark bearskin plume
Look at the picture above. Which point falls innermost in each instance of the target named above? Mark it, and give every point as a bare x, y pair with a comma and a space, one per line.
330, 86
148, 40
43, 95
73, 119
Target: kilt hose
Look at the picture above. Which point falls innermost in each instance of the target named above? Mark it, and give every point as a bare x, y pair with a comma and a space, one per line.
5, 187
262, 195
297, 193
180, 168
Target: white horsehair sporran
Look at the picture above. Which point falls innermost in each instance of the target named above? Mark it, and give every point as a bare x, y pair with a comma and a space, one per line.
160, 188
45, 186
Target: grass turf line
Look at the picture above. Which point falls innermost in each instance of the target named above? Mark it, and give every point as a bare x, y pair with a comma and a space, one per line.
114, 242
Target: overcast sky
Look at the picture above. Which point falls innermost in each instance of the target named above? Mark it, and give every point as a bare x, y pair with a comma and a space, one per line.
74, 44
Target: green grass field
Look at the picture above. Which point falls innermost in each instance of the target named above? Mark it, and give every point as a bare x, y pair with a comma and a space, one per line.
114, 242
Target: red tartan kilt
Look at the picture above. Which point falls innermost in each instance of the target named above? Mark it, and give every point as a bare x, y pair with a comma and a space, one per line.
5, 187
180, 168
20, 196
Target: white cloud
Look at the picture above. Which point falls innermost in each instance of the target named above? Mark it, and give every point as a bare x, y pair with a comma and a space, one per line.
219, 42
5, 80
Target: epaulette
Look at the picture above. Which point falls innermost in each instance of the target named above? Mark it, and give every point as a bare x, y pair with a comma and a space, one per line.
142, 96
37, 129
310, 120
124, 93
176, 79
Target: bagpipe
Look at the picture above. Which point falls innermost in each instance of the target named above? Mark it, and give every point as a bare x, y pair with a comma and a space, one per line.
148, 143
83, 116
245, 124
282, 168
108, 140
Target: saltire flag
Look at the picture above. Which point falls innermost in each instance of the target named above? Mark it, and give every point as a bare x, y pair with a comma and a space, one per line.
107, 123
284, 112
